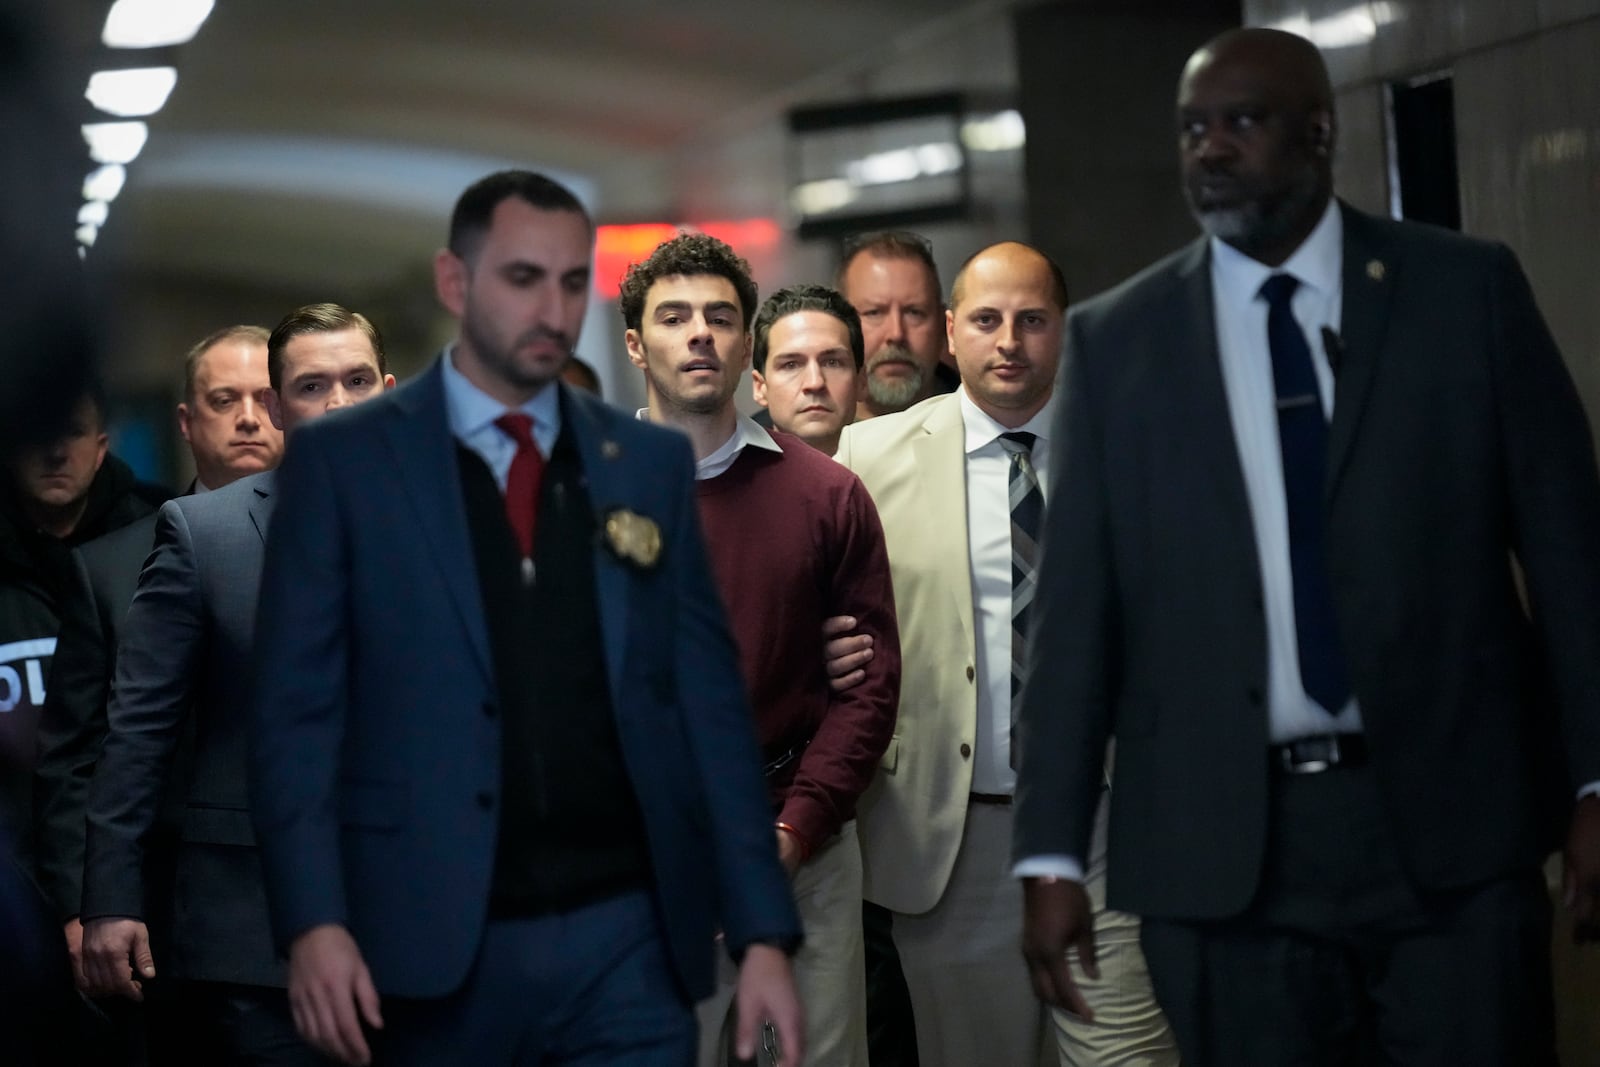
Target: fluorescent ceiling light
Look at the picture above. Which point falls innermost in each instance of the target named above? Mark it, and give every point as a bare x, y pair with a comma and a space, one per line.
105, 183
1347, 28
115, 142
1000, 132
94, 213
131, 93
821, 197
87, 234
939, 157
154, 23
884, 168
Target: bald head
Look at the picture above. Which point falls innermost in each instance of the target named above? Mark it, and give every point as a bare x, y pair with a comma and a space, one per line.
1287, 60
1255, 136
1010, 256
1007, 312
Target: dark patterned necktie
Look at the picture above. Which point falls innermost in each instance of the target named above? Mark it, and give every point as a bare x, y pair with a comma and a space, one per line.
1303, 439
1027, 519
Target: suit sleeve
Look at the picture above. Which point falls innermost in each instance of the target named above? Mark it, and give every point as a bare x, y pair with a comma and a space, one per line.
72, 731
300, 695
156, 662
753, 895
1555, 502
1069, 696
842, 758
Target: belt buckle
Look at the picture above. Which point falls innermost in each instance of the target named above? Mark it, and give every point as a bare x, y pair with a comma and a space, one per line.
1334, 756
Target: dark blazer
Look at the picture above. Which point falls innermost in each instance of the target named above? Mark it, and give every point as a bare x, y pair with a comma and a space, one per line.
375, 763
72, 726
1457, 443
184, 658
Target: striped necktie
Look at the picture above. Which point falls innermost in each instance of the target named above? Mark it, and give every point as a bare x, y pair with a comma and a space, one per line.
1027, 519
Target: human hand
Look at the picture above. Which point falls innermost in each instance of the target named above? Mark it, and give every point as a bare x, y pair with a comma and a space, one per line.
116, 956
766, 994
845, 654
1581, 870
790, 854
1056, 916
74, 932
328, 985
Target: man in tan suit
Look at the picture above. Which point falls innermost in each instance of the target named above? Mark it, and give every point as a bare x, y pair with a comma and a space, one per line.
959, 483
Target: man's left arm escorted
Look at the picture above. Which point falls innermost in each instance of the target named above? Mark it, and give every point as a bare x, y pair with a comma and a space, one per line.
841, 759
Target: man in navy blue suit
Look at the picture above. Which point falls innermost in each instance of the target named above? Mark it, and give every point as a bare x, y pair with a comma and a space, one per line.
503, 772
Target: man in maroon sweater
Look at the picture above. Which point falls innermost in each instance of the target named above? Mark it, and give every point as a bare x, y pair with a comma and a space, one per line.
794, 539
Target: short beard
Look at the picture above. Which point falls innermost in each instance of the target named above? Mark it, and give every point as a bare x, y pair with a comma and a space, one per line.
1257, 226
895, 394
694, 405
498, 359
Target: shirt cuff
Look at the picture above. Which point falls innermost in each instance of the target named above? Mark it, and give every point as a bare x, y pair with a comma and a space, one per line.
1053, 865
1590, 790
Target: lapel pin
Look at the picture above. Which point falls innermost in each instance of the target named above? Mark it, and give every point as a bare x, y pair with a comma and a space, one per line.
1375, 269
610, 449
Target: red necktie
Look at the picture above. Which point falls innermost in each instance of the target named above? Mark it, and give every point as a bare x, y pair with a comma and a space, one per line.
522, 482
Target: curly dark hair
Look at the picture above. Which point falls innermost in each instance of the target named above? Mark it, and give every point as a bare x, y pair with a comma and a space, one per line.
688, 254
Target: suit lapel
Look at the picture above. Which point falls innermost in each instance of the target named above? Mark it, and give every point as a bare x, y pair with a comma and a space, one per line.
941, 458
1197, 399
1369, 283
425, 455
261, 503
607, 488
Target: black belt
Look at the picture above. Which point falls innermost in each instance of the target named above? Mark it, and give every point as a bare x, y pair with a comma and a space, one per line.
778, 763
1003, 799
1323, 752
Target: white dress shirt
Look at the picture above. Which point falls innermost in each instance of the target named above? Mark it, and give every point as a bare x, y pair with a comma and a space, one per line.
989, 554
1241, 318
746, 431
472, 412
1241, 324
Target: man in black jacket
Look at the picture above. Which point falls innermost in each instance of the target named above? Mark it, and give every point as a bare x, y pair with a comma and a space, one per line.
55, 494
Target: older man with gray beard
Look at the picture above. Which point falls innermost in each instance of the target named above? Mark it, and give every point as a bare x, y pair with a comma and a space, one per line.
891, 280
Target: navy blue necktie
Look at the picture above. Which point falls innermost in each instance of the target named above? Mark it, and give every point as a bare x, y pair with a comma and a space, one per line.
1303, 438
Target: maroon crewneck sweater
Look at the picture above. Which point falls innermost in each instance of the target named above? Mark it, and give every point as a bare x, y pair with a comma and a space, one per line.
794, 539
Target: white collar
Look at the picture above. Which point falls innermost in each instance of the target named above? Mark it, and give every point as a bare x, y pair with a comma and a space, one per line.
471, 410
746, 431
982, 428
1316, 263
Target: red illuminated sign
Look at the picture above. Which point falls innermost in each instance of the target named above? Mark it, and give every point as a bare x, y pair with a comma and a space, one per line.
616, 248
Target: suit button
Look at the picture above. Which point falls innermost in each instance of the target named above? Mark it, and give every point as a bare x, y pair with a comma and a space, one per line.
971, 674
485, 800
1255, 695
490, 710
966, 750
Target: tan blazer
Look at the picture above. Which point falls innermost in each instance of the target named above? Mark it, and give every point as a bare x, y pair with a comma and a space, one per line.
910, 819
